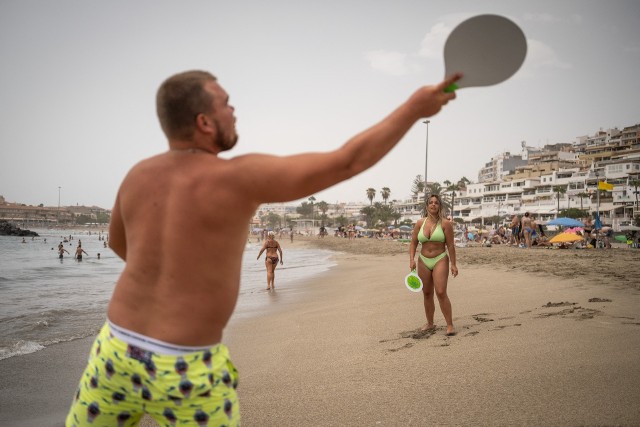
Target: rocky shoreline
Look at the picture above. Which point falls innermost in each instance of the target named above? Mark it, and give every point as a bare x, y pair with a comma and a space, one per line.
7, 229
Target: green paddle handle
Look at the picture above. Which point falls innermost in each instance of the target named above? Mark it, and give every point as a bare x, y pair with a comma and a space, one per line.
451, 88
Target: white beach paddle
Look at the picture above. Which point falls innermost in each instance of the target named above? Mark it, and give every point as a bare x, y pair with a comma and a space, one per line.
413, 282
486, 49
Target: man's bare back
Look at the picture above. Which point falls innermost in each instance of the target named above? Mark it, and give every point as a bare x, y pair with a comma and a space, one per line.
184, 249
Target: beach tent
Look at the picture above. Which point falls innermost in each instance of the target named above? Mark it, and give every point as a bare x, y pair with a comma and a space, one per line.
565, 238
566, 222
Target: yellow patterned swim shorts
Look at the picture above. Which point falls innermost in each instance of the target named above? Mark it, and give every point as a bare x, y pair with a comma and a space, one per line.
123, 382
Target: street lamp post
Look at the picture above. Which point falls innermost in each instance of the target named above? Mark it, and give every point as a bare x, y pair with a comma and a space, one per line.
58, 220
595, 171
426, 166
313, 215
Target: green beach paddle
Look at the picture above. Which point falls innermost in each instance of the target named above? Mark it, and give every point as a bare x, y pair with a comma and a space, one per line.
413, 282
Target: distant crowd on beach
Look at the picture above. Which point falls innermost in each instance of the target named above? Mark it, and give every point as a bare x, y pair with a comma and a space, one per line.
526, 232
522, 232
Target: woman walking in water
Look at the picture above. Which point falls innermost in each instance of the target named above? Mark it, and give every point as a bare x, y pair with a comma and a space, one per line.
438, 252
272, 247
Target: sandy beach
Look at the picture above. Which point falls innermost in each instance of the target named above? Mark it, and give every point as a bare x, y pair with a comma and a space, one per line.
545, 337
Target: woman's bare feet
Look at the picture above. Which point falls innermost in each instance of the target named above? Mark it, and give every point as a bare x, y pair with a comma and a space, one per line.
450, 331
428, 327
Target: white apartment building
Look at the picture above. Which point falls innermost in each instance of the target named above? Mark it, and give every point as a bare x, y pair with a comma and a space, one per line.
514, 184
532, 188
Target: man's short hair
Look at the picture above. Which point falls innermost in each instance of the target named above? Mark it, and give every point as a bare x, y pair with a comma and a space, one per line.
180, 99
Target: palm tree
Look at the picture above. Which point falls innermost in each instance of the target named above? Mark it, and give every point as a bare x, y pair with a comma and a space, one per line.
323, 207
371, 193
436, 189
369, 214
385, 193
635, 183
559, 189
455, 187
582, 195
417, 186
313, 216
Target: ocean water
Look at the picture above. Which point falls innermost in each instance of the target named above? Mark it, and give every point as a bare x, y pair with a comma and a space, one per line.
45, 300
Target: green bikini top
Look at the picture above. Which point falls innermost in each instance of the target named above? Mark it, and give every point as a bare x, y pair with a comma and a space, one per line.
436, 236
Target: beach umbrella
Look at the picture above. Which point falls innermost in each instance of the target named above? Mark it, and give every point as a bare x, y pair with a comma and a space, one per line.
566, 222
405, 228
565, 238
574, 230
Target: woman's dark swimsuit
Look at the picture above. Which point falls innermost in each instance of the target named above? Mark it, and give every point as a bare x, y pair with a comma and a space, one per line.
274, 259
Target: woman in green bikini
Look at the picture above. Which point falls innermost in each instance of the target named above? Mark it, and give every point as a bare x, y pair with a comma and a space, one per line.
437, 254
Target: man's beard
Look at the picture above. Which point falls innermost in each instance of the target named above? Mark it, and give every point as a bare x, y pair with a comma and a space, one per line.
223, 141
226, 143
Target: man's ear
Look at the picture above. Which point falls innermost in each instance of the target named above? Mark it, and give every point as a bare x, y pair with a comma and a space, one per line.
204, 123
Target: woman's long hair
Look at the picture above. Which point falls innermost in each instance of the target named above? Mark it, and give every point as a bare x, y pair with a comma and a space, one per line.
440, 211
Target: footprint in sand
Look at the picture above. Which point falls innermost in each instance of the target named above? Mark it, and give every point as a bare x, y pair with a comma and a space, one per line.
577, 312
558, 304
480, 317
501, 327
599, 300
407, 345
418, 334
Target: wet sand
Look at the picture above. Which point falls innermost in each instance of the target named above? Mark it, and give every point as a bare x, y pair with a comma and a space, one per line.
545, 337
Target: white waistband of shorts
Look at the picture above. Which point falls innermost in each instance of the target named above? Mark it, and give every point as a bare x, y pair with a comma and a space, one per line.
152, 344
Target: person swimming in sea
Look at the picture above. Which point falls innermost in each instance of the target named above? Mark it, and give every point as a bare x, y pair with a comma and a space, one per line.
79, 252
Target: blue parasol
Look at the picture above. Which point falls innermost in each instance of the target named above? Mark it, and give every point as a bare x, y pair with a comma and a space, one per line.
566, 222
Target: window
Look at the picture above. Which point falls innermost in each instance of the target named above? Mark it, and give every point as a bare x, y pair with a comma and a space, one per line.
614, 168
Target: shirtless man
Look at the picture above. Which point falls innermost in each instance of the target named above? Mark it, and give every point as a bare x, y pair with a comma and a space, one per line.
515, 230
61, 251
160, 348
271, 258
79, 252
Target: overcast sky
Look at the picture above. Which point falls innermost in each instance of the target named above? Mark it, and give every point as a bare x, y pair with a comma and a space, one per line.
78, 82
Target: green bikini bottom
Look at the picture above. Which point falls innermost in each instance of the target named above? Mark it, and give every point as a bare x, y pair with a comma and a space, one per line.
430, 263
